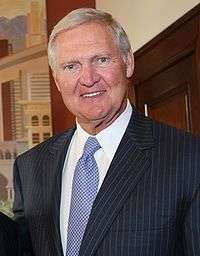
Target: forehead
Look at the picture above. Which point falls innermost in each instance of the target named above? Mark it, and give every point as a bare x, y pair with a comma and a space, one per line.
86, 38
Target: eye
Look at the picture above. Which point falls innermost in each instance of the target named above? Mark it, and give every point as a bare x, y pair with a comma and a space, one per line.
71, 67
103, 60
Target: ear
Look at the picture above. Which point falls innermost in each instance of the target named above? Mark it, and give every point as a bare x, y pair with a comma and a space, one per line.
56, 80
129, 64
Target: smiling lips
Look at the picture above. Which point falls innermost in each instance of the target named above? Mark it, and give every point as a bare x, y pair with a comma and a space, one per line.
92, 94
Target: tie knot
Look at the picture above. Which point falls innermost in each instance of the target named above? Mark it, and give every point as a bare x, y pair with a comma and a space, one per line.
91, 146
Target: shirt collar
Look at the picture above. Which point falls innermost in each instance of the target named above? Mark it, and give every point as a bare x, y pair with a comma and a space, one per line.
110, 137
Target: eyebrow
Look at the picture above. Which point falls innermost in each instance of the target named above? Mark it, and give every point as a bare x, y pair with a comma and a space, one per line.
71, 61
68, 62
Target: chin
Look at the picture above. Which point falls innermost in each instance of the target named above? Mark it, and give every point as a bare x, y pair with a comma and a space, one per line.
95, 113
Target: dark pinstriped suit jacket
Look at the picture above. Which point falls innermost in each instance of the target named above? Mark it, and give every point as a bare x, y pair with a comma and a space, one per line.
9, 239
148, 205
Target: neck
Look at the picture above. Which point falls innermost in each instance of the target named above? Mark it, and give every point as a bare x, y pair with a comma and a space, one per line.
93, 127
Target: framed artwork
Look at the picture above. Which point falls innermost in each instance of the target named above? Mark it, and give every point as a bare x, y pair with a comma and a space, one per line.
25, 112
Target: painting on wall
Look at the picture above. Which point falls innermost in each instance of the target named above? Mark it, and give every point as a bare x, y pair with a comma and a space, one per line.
25, 112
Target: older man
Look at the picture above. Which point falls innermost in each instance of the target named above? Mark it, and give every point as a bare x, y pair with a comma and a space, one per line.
118, 183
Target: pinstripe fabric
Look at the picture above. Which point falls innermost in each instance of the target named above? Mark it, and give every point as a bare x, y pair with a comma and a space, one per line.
148, 204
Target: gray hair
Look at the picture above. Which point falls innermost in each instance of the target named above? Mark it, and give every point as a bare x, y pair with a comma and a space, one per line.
85, 15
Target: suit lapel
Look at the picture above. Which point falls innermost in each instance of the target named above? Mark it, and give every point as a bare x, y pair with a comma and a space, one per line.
53, 165
131, 161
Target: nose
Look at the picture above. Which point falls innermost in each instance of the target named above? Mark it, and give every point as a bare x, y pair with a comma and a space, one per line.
88, 76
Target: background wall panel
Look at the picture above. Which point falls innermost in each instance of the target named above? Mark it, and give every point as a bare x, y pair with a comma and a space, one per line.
61, 117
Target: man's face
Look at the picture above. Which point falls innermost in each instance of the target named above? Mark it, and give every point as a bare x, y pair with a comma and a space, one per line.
91, 74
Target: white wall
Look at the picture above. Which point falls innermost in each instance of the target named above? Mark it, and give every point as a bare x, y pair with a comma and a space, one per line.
144, 19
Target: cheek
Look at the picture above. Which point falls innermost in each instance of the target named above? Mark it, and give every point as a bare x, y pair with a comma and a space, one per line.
118, 84
65, 90
115, 76
66, 87
65, 82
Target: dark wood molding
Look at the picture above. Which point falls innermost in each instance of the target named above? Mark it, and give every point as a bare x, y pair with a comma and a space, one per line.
167, 62
7, 110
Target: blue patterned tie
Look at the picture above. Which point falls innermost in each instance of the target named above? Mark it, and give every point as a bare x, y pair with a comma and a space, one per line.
84, 190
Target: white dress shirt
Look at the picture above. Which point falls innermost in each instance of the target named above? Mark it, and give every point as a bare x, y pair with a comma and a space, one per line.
109, 140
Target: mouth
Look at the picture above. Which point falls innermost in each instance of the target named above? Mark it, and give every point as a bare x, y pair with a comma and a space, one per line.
92, 94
